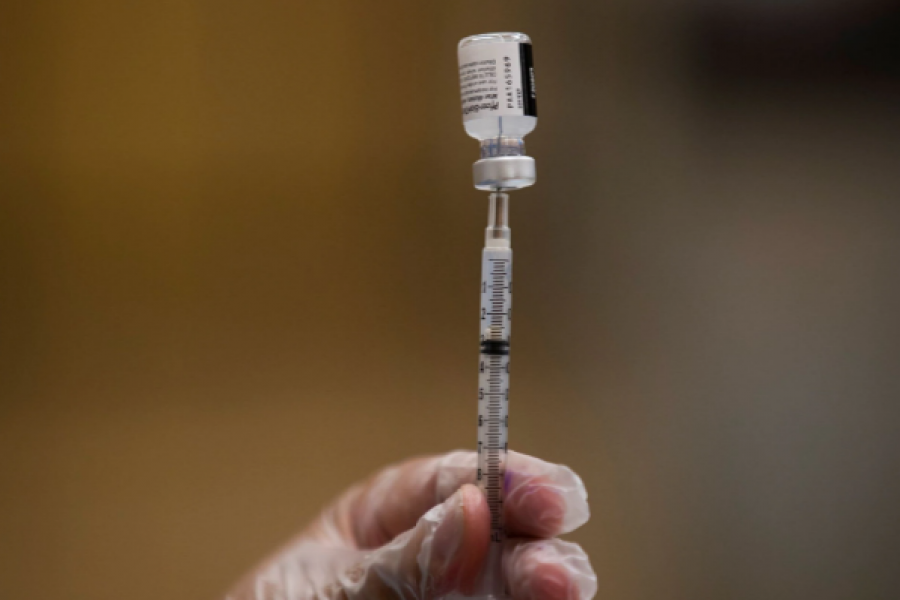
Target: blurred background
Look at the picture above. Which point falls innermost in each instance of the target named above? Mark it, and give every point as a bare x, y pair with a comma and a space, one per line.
239, 261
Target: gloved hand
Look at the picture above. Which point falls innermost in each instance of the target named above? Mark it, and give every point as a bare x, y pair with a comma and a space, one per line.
420, 530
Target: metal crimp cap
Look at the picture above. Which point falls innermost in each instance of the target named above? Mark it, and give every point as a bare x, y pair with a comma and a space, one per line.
504, 173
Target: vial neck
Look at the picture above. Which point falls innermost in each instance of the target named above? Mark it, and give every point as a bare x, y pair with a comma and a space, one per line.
502, 146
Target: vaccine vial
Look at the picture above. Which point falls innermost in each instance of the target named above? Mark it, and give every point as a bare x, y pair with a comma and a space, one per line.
496, 76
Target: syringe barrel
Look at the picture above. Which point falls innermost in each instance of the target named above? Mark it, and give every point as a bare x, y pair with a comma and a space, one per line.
493, 403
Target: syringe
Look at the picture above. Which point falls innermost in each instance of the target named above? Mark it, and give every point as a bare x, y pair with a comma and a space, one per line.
493, 381
499, 109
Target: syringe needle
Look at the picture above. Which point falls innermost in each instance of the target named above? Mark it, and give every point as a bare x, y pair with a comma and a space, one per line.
497, 233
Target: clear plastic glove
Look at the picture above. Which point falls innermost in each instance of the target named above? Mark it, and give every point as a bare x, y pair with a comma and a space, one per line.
420, 530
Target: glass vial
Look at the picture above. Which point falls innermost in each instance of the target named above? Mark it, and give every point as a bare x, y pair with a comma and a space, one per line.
496, 76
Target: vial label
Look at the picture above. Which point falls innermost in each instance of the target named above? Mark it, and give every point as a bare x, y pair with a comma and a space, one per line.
497, 80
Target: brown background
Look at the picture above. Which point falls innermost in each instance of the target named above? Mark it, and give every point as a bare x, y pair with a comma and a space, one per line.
240, 254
